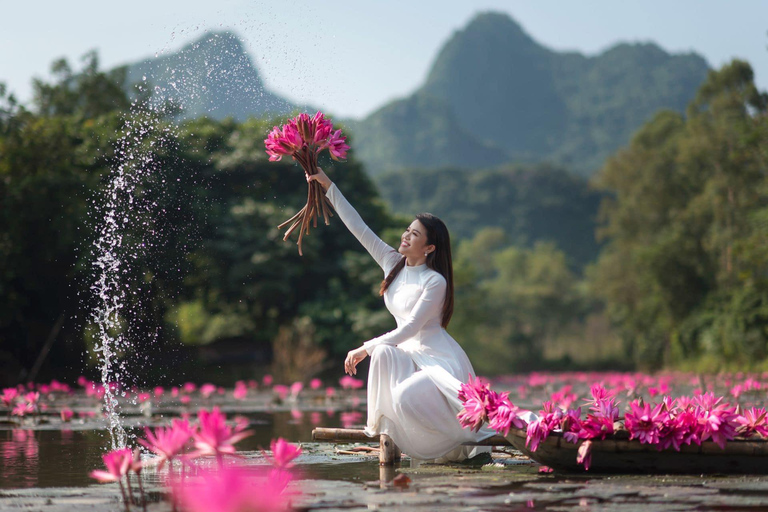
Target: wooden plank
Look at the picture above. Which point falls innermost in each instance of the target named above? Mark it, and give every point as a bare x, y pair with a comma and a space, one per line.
340, 435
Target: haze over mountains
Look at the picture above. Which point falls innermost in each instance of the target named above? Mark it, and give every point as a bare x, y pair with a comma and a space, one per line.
493, 96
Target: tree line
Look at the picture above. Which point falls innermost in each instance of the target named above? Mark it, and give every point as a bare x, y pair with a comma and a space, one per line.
680, 279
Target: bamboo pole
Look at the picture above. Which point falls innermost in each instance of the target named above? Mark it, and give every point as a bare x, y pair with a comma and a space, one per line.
341, 435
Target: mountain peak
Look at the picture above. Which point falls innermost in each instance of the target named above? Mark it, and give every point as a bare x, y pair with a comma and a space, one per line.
493, 21
220, 40
211, 76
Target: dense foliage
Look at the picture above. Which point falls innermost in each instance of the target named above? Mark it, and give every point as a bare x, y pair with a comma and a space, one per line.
684, 273
211, 265
529, 203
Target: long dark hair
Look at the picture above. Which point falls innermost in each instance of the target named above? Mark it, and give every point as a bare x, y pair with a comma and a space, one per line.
438, 260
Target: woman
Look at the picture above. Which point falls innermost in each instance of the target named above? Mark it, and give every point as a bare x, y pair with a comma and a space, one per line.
416, 370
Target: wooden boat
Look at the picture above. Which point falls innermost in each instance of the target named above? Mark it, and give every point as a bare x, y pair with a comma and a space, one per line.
618, 454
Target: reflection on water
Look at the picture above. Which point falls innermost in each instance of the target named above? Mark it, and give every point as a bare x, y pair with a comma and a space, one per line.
64, 458
49, 458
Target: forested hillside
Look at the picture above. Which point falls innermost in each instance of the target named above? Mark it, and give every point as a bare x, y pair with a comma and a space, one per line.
529, 203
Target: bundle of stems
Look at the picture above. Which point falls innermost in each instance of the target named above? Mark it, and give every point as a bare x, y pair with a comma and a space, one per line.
303, 138
317, 202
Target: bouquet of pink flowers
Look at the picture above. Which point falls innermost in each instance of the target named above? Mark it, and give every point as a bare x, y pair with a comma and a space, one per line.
303, 138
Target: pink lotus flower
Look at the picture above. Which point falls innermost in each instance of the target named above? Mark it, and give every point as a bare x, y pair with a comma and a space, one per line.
142, 397
549, 419
349, 382
644, 423
214, 436
232, 489
9, 396
22, 409
117, 462
503, 414
241, 391
296, 388
168, 442
720, 424
66, 414
206, 390
350, 419
584, 454
474, 395
337, 146
753, 422
571, 425
159, 391
330, 392
315, 384
267, 380
283, 453
281, 391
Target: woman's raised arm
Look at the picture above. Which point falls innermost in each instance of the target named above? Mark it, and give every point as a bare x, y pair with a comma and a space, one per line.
385, 255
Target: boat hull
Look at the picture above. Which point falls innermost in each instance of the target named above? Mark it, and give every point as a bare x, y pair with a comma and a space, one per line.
617, 455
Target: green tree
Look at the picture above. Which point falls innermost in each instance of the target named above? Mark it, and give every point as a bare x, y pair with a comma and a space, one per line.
681, 273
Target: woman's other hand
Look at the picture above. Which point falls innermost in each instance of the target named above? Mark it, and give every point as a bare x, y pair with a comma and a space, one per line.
354, 357
321, 178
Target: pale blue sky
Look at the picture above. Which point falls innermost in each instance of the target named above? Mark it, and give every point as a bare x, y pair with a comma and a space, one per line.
351, 57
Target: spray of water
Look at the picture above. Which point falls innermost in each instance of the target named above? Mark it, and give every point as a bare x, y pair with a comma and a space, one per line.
120, 209
229, 86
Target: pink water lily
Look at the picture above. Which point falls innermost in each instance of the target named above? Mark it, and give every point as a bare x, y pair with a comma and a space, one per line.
283, 453
66, 414
214, 436
475, 398
503, 414
241, 390
584, 454
753, 421
117, 462
337, 146
206, 390
550, 418
349, 382
296, 388
645, 423
9, 396
232, 489
22, 409
167, 442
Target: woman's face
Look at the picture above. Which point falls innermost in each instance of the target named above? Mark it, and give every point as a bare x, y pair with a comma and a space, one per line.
413, 242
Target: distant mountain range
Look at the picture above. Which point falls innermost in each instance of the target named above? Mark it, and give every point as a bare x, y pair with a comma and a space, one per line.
493, 96
505, 91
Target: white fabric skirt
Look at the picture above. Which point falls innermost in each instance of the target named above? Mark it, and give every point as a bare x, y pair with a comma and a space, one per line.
408, 404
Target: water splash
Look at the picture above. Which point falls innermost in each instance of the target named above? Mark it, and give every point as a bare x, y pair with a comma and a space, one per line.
120, 209
229, 78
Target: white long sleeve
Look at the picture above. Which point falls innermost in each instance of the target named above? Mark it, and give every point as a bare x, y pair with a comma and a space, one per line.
428, 309
385, 255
